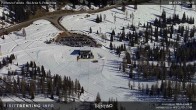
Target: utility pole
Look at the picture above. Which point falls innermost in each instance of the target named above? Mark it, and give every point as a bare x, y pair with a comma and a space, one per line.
174, 9
160, 4
24, 33
132, 16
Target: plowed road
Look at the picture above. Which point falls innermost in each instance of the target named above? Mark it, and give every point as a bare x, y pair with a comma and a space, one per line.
54, 18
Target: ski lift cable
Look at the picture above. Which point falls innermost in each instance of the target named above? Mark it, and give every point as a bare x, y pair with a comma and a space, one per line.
38, 61
12, 98
20, 97
9, 96
32, 58
39, 64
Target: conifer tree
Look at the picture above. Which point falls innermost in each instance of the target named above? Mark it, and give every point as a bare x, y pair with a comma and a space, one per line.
184, 18
152, 90
82, 90
97, 19
113, 33
90, 30
124, 66
147, 89
163, 14
100, 18
1, 105
135, 5
15, 87
23, 88
128, 58
129, 84
32, 89
111, 38
111, 46
98, 98
123, 7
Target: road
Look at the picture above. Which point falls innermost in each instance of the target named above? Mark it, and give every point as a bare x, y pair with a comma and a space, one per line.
54, 18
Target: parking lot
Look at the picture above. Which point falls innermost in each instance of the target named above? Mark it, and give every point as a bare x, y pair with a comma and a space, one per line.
78, 40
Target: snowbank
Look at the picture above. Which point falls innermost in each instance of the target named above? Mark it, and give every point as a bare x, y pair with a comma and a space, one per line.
79, 7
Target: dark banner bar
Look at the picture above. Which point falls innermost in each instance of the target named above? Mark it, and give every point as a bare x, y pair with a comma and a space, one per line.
26, 3
140, 2
164, 2
100, 106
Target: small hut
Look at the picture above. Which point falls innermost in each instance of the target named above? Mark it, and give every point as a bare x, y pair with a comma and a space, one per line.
85, 53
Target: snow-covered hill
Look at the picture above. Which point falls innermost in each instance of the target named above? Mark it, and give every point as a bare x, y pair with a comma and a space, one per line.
59, 59
115, 19
103, 77
144, 14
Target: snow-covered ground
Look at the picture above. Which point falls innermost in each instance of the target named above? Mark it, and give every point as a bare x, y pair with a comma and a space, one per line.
79, 7
51, 8
144, 14
82, 23
104, 76
95, 77
3, 24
